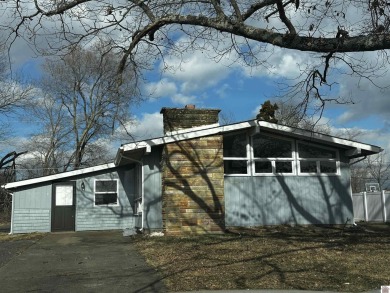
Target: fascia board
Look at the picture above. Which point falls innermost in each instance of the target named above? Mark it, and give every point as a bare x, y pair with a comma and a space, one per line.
295, 132
58, 176
188, 135
320, 137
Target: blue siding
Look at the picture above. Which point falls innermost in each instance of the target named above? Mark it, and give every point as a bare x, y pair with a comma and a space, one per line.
152, 190
32, 210
32, 206
274, 200
91, 217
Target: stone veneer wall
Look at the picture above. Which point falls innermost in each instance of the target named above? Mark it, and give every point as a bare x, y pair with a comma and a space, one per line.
192, 175
193, 186
176, 118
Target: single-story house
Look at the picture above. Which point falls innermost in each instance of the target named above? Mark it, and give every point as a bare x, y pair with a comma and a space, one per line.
200, 177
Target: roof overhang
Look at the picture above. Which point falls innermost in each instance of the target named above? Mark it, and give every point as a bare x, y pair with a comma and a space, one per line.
132, 153
59, 176
353, 149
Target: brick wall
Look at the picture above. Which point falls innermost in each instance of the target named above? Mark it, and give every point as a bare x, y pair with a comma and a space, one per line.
193, 183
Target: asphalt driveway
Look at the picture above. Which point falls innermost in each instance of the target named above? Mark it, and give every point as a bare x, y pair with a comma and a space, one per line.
80, 262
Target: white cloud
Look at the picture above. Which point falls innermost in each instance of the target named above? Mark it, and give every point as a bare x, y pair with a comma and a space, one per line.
147, 126
196, 72
162, 88
183, 99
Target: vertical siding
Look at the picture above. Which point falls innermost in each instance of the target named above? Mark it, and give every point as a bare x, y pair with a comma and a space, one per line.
32, 210
90, 217
358, 206
374, 207
273, 200
152, 189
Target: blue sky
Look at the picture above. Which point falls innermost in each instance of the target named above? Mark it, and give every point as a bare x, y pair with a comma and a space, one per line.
238, 91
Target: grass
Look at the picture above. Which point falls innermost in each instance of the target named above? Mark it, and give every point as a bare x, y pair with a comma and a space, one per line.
5, 237
281, 257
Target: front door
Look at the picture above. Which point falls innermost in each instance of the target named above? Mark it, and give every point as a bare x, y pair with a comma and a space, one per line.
63, 211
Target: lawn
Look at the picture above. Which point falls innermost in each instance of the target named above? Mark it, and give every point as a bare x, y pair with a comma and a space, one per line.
281, 257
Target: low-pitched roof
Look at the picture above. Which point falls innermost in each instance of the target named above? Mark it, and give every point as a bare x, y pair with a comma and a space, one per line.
58, 176
135, 150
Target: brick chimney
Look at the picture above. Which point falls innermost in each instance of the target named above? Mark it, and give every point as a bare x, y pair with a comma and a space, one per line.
187, 117
192, 175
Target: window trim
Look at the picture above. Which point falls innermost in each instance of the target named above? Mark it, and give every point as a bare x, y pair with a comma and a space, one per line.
95, 192
273, 161
247, 158
295, 160
317, 160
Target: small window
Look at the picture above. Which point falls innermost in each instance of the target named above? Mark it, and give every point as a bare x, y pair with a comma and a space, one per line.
313, 152
235, 167
271, 147
106, 192
328, 167
234, 146
235, 154
283, 167
308, 167
317, 160
272, 155
263, 167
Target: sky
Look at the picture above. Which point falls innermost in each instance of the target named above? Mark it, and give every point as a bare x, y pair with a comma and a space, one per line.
239, 94
238, 91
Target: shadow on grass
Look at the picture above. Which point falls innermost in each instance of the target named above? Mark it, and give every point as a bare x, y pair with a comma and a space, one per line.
278, 257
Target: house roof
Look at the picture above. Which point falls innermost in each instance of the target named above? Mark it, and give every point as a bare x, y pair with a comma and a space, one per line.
58, 176
135, 150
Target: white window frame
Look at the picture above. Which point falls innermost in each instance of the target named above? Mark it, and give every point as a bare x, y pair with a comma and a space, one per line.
317, 160
273, 161
95, 192
247, 158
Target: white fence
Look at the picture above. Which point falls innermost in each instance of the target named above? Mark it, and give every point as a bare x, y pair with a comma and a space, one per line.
371, 206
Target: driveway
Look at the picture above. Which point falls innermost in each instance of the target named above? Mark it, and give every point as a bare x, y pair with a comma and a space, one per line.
80, 262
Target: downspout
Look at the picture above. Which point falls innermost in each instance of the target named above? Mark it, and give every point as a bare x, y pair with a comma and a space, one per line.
12, 214
142, 183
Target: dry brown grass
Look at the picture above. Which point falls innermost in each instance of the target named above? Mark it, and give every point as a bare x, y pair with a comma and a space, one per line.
307, 258
5, 237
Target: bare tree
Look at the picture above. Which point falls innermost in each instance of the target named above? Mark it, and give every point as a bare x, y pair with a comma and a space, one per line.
378, 167
331, 30
291, 114
14, 95
83, 105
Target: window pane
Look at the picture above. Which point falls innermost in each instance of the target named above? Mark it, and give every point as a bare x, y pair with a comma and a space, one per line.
105, 198
312, 152
308, 166
263, 167
234, 145
270, 147
64, 195
105, 185
235, 167
328, 167
283, 167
